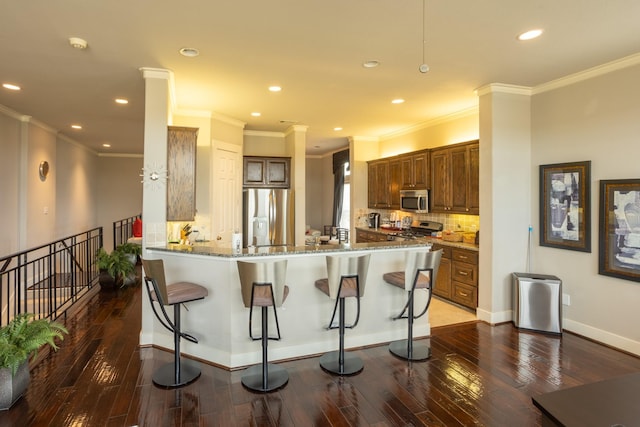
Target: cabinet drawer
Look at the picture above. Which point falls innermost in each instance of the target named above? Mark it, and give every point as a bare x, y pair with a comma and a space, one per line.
465, 294
470, 257
465, 273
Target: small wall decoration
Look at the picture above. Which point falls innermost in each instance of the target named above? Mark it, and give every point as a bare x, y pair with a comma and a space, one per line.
565, 206
620, 229
43, 170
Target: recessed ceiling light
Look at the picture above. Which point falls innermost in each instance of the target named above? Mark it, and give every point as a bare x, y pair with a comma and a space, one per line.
337, 128
531, 34
316, 146
190, 52
106, 145
76, 126
397, 101
10, 86
370, 64
77, 43
275, 88
256, 114
122, 101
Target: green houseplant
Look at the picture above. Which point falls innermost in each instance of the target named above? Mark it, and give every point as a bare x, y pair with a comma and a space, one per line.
19, 339
115, 267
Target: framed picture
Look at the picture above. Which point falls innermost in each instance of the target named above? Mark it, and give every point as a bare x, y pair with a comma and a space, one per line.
620, 229
565, 206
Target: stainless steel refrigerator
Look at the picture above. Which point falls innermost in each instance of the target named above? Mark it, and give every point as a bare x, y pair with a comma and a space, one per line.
267, 217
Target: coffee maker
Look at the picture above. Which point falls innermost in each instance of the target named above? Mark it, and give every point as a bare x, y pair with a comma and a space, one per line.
374, 220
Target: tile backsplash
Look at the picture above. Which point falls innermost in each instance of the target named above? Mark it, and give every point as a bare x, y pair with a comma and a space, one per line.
453, 222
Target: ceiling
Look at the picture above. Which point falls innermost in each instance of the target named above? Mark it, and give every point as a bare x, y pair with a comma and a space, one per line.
313, 49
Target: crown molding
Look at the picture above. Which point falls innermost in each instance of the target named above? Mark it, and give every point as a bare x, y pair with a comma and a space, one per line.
14, 114
264, 133
503, 88
228, 120
75, 143
295, 128
599, 70
122, 155
362, 139
433, 122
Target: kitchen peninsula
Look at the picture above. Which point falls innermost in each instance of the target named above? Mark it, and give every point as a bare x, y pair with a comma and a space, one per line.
220, 321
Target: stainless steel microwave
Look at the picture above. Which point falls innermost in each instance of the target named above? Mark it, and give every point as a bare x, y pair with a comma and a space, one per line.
416, 201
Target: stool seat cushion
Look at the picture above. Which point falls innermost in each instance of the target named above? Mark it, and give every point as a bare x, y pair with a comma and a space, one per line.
183, 292
349, 288
397, 279
262, 295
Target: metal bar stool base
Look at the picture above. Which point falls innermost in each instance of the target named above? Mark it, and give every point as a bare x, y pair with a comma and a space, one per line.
277, 377
165, 376
418, 353
330, 363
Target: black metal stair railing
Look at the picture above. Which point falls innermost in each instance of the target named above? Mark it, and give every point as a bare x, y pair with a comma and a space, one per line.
49, 279
123, 230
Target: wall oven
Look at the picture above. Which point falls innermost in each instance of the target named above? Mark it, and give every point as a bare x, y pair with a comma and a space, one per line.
416, 201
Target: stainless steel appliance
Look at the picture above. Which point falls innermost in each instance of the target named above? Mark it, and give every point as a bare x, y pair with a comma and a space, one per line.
537, 302
374, 220
414, 201
268, 218
418, 229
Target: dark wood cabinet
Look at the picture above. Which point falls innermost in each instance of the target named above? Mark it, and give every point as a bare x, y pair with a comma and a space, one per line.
365, 236
181, 173
378, 184
415, 171
394, 183
455, 174
267, 172
442, 287
457, 278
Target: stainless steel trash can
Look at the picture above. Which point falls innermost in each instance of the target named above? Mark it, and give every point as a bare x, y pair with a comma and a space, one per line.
537, 302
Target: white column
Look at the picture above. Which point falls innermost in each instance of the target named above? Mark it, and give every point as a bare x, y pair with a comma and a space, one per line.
505, 195
295, 141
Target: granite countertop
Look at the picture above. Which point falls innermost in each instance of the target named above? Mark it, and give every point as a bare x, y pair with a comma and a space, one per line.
208, 249
431, 240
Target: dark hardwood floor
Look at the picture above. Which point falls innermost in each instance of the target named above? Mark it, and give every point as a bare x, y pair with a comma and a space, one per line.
478, 375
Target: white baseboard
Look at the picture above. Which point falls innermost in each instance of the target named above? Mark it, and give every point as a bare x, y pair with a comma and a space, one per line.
605, 337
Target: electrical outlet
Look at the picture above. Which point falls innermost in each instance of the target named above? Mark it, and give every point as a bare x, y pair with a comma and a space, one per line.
566, 299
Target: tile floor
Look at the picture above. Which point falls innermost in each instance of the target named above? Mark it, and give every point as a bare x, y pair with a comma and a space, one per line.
442, 313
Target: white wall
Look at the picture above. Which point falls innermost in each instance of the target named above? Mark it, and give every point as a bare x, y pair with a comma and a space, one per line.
599, 120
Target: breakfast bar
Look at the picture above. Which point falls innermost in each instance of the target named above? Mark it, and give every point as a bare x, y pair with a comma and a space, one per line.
220, 322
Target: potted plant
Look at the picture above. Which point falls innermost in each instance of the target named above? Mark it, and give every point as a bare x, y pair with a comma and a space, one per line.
132, 250
115, 268
19, 339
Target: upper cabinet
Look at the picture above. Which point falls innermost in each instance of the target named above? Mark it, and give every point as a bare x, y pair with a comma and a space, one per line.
378, 183
181, 173
266, 172
415, 171
455, 179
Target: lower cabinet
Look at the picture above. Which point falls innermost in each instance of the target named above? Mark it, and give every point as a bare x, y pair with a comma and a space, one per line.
457, 278
364, 236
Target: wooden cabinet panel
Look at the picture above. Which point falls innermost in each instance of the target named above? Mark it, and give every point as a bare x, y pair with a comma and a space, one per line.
466, 295
394, 183
443, 280
379, 194
455, 179
465, 273
364, 236
415, 171
267, 172
181, 173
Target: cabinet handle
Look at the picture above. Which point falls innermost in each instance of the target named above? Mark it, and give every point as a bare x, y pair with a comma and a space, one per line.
462, 257
463, 273
467, 209
462, 294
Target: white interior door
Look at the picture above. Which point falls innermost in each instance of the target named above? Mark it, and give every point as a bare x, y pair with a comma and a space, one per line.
226, 201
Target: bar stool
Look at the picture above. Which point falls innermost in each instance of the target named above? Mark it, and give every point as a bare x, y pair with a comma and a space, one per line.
262, 285
421, 269
347, 279
180, 372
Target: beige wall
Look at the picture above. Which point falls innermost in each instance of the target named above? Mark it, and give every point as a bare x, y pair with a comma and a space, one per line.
9, 182
599, 120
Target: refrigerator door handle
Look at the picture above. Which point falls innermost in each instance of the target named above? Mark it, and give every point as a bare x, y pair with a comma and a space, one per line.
272, 216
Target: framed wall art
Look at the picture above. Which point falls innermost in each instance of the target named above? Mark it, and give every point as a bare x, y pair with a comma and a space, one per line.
620, 229
565, 218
